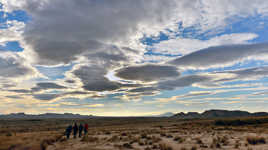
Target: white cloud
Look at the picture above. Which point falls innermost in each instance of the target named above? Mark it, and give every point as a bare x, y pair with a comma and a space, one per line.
185, 46
12, 32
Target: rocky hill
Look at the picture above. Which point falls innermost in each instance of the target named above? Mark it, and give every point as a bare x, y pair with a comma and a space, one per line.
219, 114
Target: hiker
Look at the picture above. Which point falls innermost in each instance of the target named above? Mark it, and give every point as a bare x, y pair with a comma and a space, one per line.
80, 129
86, 128
68, 131
75, 128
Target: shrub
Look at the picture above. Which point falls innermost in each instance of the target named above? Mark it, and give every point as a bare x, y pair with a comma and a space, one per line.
114, 138
107, 133
169, 136
194, 148
127, 145
156, 139
9, 134
89, 139
147, 148
241, 122
154, 147
164, 147
199, 141
44, 144
179, 139
143, 136
256, 140
141, 143
123, 134
162, 134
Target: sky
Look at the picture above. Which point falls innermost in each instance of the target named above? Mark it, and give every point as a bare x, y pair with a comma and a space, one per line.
133, 57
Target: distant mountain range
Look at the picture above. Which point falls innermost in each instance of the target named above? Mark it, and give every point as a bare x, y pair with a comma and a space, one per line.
44, 116
189, 115
219, 114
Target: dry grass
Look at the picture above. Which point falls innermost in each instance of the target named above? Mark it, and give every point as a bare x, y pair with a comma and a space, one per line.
117, 134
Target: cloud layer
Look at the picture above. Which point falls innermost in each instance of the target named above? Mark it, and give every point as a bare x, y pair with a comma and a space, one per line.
119, 51
147, 72
222, 56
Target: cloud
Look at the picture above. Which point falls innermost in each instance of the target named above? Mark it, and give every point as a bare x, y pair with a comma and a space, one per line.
196, 94
185, 46
12, 32
148, 72
46, 97
47, 85
183, 82
93, 79
90, 27
191, 94
20, 91
39, 87
245, 74
53, 96
13, 65
14, 97
222, 56
143, 89
98, 37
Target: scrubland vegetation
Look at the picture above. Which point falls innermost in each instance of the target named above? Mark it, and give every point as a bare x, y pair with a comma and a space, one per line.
136, 134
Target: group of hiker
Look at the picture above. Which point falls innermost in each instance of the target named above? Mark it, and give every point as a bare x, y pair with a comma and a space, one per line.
76, 129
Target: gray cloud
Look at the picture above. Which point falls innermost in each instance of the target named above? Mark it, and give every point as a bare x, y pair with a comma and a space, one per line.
39, 87
143, 89
183, 82
250, 72
52, 96
221, 56
12, 65
45, 97
20, 91
242, 74
14, 97
93, 79
214, 79
47, 85
89, 27
147, 72
70, 81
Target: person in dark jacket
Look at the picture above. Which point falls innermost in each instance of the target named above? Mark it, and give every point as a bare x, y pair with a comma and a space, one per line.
75, 128
86, 128
80, 129
68, 131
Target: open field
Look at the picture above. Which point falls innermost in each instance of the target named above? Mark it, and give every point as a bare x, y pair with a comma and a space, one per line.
136, 133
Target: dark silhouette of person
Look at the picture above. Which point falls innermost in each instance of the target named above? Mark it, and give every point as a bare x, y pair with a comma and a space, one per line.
68, 131
86, 128
81, 127
75, 128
